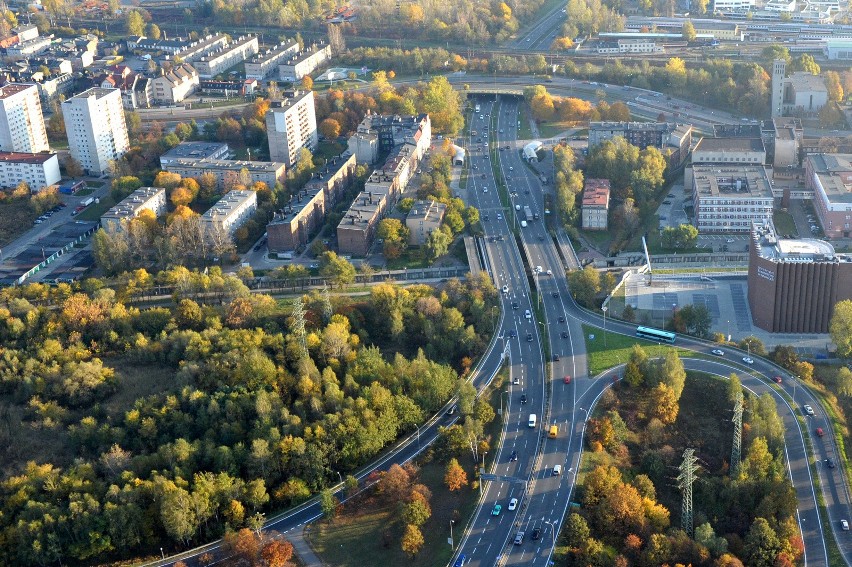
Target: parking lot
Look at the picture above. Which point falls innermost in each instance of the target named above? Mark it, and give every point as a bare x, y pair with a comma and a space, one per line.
672, 210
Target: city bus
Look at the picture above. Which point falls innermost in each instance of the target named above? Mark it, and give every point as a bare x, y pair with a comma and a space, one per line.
655, 335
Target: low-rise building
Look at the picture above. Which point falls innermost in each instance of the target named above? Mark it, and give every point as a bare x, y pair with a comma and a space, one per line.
266, 62
424, 218
169, 46
304, 214
230, 212
143, 199
730, 198
838, 49
378, 134
28, 48
627, 46
661, 135
174, 86
788, 134
226, 57
729, 150
37, 170
195, 150
595, 206
304, 62
228, 172
829, 176
804, 95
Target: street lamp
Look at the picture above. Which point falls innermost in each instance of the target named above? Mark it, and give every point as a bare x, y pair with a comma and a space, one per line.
339, 476
162, 554
604, 308
552, 528
418, 435
587, 415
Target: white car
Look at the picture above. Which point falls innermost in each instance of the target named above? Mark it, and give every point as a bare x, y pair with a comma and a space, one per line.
809, 410
505, 289
718, 352
527, 314
748, 360
485, 190
844, 525
513, 503
516, 381
730, 241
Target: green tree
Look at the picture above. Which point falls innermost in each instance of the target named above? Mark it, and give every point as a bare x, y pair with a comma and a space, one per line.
840, 328
576, 530
395, 236
177, 515
688, 30
438, 243
416, 511
753, 345
775, 51
762, 544
585, 285
673, 374
134, 23
328, 504
805, 62
338, 270
153, 31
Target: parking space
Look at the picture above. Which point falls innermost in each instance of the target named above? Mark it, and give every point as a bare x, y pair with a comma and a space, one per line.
736, 242
672, 210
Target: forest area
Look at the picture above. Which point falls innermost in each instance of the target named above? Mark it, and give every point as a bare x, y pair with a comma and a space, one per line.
126, 429
744, 514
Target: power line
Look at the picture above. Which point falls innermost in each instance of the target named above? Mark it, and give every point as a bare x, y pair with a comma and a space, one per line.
736, 449
688, 468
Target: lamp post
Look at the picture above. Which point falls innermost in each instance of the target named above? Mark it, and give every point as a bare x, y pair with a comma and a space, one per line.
162, 554
552, 529
418, 435
729, 331
604, 308
451, 533
339, 476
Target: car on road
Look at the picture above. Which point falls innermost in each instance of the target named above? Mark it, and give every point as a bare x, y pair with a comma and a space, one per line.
496, 510
718, 352
536, 533
512, 459
555, 358
505, 289
730, 240
523, 398
460, 561
485, 190
844, 525
820, 432
499, 215
549, 272
748, 360
529, 337
566, 379
452, 409
777, 379
527, 314
830, 463
516, 380
555, 294
808, 409
667, 202
513, 503
564, 334
511, 168
513, 334
561, 319
519, 538
515, 305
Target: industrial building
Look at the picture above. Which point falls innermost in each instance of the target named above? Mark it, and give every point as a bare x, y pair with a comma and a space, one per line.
793, 285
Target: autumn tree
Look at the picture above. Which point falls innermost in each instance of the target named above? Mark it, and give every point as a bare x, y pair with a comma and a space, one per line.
455, 477
73, 169
307, 83
134, 23
330, 128
840, 328
663, 404
412, 540
277, 553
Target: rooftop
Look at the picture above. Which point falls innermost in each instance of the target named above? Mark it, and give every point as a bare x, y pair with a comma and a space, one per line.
732, 181
737, 130
274, 51
227, 204
96, 92
20, 157
228, 165
316, 185
304, 54
802, 81
596, 193
769, 246
730, 145
195, 150
11, 89
137, 200
426, 210
289, 99
657, 126
828, 168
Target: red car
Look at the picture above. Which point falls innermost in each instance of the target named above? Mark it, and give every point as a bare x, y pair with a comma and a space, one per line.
567, 379
820, 432
777, 379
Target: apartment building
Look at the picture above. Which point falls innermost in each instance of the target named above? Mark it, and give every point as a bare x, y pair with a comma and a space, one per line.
829, 176
378, 134
174, 86
28, 48
226, 56
230, 212
266, 62
291, 124
228, 172
730, 198
37, 170
595, 205
201, 47
304, 62
304, 214
21, 119
661, 135
424, 218
97, 132
143, 199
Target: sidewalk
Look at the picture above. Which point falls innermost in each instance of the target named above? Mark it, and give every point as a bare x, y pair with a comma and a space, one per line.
303, 549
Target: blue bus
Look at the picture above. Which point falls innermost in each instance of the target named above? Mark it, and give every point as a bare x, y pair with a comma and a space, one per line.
655, 335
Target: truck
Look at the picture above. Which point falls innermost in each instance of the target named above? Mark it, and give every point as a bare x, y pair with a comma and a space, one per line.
87, 201
529, 214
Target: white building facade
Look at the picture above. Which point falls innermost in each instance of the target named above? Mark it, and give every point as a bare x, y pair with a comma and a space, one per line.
21, 119
230, 212
97, 132
291, 124
37, 170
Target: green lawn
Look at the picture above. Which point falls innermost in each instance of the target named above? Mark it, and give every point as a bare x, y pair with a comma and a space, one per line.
94, 211
551, 129
617, 349
524, 132
784, 223
655, 245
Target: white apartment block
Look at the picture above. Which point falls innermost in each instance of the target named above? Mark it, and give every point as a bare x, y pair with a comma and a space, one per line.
21, 119
174, 86
304, 62
226, 57
143, 199
26, 33
291, 124
28, 48
97, 132
204, 46
37, 170
730, 198
231, 211
266, 62
227, 171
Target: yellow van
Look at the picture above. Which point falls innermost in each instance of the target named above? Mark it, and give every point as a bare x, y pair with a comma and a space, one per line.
553, 430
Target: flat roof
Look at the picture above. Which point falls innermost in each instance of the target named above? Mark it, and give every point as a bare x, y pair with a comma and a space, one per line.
827, 168
730, 145
228, 203
769, 246
97, 92
424, 210
21, 157
227, 164
732, 181
137, 200
802, 81
198, 150
11, 89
